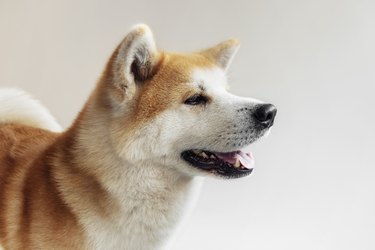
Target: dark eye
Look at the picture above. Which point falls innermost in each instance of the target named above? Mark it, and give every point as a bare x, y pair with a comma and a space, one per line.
196, 100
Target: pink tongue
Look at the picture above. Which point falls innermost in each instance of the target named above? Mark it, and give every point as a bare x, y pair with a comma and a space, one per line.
246, 159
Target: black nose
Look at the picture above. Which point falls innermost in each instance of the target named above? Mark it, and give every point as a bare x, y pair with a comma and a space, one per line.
265, 114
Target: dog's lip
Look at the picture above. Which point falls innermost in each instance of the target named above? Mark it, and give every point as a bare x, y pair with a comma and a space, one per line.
233, 164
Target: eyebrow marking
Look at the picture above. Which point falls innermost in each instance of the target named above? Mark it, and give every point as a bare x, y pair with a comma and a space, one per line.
201, 87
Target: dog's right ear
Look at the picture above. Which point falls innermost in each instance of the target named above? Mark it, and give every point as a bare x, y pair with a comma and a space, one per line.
134, 61
223, 53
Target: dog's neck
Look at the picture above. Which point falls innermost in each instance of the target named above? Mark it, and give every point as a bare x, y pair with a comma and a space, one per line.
136, 206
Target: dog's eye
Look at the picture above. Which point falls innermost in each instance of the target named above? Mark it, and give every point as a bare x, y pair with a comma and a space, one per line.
196, 99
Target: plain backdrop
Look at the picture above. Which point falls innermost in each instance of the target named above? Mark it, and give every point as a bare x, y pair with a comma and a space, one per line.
313, 187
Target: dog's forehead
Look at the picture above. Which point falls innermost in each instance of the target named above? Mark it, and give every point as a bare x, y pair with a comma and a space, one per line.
209, 78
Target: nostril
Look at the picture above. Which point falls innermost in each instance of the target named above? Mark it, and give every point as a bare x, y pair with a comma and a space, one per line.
265, 114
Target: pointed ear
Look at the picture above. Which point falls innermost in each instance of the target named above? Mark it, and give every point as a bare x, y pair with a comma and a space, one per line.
135, 58
223, 53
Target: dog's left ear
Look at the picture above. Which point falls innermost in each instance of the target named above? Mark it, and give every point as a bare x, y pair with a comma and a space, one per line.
223, 53
134, 61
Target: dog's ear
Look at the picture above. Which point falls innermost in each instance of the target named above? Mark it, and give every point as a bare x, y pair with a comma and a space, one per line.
135, 59
223, 53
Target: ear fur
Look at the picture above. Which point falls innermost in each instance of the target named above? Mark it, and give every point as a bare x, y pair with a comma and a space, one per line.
136, 57
223, 53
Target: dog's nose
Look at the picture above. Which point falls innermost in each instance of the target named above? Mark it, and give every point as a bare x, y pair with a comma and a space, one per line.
265, 114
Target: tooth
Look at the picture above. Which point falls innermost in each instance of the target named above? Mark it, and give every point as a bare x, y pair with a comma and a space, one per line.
212, 157
237, 164
204, 155
195, 151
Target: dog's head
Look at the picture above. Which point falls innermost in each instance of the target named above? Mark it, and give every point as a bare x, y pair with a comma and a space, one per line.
173, 110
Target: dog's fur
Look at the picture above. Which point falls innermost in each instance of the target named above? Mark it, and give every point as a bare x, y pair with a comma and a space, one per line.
115, 179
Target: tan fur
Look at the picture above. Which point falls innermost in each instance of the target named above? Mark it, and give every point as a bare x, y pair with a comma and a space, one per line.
33, 215
51, 182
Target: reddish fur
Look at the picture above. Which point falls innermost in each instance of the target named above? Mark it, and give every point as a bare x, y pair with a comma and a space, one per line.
33, 215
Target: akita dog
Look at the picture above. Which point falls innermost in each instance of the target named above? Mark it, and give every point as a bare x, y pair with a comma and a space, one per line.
124, 174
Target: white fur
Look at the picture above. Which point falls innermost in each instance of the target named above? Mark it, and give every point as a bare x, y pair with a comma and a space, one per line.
215, 81
16, 106
150, 212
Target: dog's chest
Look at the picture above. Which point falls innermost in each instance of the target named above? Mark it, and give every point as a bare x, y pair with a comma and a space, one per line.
131, 231
146, 220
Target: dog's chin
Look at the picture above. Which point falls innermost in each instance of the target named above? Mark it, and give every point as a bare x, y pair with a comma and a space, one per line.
229, 165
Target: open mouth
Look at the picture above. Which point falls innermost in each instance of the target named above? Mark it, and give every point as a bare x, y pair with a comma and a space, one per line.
234, 164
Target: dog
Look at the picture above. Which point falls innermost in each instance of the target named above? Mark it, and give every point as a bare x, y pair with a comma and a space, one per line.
129, 168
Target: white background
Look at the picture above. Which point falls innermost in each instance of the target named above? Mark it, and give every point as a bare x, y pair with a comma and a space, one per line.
314, 182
